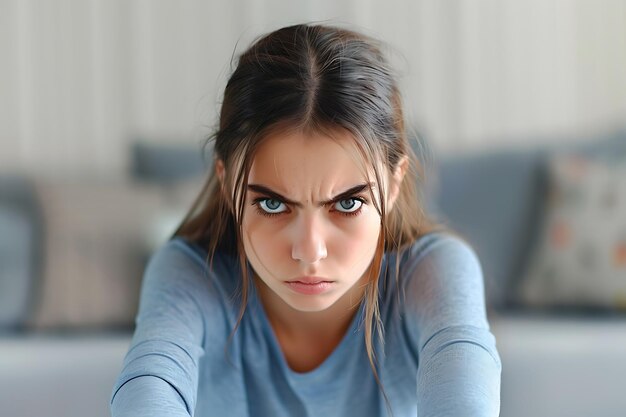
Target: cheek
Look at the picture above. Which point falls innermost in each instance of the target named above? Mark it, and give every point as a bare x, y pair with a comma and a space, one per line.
358, 240
261, 238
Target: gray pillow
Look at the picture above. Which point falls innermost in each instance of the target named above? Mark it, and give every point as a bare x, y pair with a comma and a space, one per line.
492, 199
168, 163
20, 250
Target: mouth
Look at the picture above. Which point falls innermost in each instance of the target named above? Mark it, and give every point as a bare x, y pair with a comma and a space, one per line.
310, 285
310, 280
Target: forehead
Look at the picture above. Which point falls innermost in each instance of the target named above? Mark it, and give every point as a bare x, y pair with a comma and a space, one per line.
309, 163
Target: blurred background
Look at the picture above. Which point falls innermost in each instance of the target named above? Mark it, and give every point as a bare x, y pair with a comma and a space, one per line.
520, 107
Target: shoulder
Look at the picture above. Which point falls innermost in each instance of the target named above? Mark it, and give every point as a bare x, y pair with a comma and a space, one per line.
177, 254
184, 296
182, 266
442, 278
438, 247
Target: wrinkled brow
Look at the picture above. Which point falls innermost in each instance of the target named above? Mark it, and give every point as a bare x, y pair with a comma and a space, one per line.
261, 189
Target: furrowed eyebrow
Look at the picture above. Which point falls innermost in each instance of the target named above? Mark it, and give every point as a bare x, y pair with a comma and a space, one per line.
261, 189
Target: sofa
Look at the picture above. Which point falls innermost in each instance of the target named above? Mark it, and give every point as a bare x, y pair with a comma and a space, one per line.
563, 352
72, 254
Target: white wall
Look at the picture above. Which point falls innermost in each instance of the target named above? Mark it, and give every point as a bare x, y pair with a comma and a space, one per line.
81, 79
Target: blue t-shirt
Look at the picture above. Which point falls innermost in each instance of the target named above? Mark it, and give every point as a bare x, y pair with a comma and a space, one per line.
439, 357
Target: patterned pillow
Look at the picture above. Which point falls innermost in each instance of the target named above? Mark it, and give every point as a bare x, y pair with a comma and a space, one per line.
580, 259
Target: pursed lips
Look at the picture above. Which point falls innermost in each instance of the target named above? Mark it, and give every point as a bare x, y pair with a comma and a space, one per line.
310, 280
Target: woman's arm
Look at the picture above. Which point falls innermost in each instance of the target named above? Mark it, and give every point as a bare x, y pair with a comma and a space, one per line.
160, 372
459, 367
148, 396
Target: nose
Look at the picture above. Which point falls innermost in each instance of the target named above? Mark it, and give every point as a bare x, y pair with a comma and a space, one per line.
309, 244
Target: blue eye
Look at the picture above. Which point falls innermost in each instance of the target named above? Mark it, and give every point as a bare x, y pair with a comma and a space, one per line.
349, 205
272, 206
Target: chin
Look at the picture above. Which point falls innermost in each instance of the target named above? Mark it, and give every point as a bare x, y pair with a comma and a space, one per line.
310, 303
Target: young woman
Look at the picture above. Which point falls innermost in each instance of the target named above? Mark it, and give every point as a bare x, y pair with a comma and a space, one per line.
307, 279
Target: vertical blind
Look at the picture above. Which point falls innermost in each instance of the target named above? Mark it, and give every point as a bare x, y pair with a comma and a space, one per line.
80, 80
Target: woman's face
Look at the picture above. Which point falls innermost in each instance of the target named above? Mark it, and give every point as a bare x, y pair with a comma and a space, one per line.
310, 229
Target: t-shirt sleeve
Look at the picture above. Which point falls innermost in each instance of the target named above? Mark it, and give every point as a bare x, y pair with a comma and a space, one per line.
159, 376
459, 367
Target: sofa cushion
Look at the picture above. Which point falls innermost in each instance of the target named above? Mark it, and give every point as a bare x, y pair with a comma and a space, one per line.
492, 200
97, 239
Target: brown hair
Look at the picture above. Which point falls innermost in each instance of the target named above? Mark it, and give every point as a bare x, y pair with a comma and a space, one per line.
315, 79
